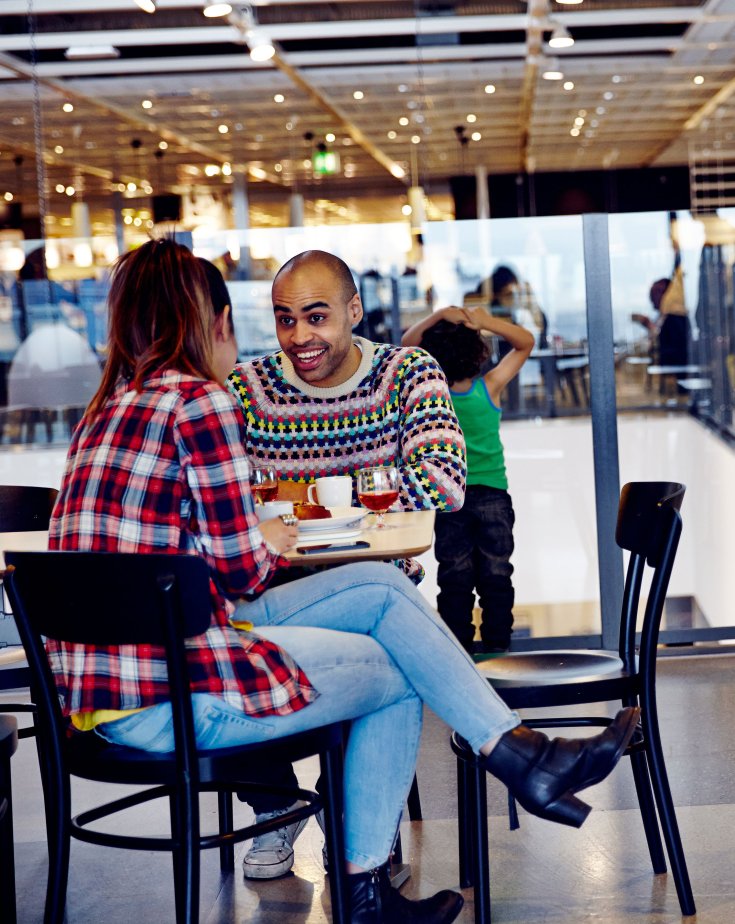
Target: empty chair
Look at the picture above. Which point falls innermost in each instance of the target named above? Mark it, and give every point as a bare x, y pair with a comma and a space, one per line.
159, 600
649, 526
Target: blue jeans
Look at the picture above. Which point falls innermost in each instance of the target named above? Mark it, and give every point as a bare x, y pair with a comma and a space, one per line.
375, 651
473, 548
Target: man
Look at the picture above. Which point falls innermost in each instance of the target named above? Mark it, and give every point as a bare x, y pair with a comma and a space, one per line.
330, 403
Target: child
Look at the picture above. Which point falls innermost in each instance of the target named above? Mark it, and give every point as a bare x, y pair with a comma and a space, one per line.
474, 545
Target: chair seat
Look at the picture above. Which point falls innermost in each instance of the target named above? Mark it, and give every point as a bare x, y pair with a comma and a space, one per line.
550, 668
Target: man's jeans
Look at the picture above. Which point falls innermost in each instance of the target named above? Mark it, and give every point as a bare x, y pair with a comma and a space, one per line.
374, 649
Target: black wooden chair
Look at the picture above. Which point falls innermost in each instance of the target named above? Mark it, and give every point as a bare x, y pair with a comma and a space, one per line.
8, 744
22, 510
649, 526
117, 599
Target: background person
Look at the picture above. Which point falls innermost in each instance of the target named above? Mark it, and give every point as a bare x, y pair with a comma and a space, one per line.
157, 465
474, 545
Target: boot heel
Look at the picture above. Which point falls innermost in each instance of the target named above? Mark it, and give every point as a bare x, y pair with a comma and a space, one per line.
567, 810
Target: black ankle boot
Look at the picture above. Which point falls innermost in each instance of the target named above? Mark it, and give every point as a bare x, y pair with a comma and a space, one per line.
373, 900
543, 775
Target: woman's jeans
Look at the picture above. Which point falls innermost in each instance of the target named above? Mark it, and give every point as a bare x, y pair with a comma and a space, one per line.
374, 650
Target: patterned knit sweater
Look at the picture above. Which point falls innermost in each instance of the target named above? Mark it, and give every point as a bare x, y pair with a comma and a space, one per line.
395, 410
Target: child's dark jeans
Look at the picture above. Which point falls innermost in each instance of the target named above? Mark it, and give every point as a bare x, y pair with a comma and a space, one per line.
473, 547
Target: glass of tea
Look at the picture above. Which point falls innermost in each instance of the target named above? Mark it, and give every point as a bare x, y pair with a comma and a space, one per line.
377, 489
264, 483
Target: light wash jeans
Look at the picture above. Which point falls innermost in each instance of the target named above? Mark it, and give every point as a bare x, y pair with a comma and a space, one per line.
375, 651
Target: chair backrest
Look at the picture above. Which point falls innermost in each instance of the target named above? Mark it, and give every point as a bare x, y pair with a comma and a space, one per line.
25, 509
649, 526
100, 598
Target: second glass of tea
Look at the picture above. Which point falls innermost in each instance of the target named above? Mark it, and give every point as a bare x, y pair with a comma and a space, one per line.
377, 489
264, 483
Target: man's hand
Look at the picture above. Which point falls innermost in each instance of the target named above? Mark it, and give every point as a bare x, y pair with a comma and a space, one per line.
279, 536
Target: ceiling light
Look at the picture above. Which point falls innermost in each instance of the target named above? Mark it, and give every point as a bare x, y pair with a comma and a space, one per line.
163, 145
471, 117
552, 72
397, 171
147, 104
257, 172
392, 135
58, 149
59, 187
279, 98
278, 167
211, 170
213, 9
416, 139
579, 121
70, 190
569, 2
476, 136
560, 37
699, 79
330, 136
406, 209
358, 94
8, 197
227, 169
148, 6
489, 87
574, 132
223, 129
261, 48
568, 84
82, 52
608, 95
403, 120
68, 107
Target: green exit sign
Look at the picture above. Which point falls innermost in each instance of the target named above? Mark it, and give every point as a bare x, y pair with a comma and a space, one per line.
325, 163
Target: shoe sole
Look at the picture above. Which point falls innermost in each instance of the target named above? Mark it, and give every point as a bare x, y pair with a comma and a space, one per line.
277, 869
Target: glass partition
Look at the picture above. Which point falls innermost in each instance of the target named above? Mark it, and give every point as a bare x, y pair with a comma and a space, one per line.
53, 341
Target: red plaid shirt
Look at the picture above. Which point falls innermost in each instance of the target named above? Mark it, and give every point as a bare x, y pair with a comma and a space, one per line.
164, 470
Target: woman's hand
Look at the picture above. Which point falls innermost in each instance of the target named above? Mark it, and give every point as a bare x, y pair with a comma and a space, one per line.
279, 536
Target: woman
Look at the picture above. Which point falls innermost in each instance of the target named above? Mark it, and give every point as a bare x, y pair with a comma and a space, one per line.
157, 464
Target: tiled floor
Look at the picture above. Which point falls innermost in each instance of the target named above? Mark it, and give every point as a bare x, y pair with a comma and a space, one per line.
541, 873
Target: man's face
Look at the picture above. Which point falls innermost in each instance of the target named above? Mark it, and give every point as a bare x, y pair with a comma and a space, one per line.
314, 323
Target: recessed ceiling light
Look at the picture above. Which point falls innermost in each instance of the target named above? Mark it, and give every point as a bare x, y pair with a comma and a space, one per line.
568, 2
574, 132
392, 135
147, 104
397, 171
699, 79
406, 209
58, 149
403, 120
476, 136
415, 139
471, 117
223, 129
579, 121
330, 137
568, 84
279, 98
608, 95
70, 190
68, 107
278, 167
358, 94
213, 9
87, 52
552, 74
163, 145
59, 187
489, 87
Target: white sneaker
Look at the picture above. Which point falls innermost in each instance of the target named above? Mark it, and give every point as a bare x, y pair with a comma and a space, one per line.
271, 855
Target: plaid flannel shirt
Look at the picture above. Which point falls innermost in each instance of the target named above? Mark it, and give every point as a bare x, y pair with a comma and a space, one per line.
164, 470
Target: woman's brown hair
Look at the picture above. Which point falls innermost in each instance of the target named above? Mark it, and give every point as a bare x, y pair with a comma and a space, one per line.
160, 317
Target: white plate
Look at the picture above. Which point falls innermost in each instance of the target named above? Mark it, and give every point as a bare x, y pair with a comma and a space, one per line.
328, 536
341, 517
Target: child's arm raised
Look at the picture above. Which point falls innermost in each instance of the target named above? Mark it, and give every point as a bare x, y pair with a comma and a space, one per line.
519, 338
412, 337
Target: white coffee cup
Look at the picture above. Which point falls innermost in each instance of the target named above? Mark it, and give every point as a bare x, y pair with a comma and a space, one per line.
272, 509
331, 491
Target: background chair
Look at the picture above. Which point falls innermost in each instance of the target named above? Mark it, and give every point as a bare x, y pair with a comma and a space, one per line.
22, 510
158, 600
649, 526
8, 744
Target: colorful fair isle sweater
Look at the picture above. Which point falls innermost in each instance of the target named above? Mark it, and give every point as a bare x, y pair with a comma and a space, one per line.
395, 410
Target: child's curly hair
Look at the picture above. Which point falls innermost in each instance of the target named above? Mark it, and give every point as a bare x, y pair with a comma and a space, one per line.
459, 350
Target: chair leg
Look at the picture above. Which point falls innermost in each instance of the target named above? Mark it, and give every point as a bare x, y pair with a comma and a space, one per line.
7, 865
57, 803
477, 787
414, 801
184, 808
227, 851
642, 779
666, 810
331, 767
464, 829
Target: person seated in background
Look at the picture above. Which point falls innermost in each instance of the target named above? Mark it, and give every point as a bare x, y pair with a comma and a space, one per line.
474, 545
331, 403
157, 465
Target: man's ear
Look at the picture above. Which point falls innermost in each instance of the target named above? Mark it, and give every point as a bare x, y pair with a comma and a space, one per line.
223, 325
354, 308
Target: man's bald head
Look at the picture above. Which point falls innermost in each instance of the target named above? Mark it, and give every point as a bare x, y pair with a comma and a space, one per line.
328, 263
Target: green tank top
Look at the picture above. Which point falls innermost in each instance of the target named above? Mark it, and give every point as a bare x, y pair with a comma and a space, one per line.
480, 422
